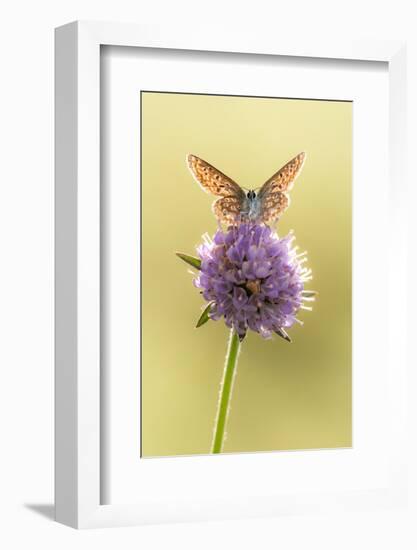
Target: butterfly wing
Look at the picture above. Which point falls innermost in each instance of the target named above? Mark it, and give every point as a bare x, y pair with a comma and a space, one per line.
233, 199
273, 194
273, 205
229, 209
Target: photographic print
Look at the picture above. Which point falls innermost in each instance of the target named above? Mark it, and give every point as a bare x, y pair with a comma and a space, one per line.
246, 309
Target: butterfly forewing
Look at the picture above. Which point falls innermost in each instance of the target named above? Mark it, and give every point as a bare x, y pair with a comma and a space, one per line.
283, 179
212, 180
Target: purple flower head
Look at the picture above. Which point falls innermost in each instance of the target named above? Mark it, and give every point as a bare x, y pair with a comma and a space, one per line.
252, 279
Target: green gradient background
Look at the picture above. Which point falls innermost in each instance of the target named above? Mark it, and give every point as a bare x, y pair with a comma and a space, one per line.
286, 396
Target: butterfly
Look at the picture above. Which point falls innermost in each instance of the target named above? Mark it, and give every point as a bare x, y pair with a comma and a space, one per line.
235, 205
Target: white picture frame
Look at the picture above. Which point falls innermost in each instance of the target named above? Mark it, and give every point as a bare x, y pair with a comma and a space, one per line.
78, 321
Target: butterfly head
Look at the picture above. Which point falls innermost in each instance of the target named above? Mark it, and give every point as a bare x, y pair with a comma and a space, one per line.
251, 194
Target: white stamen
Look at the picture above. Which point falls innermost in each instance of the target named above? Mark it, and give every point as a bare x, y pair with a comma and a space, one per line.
301, 253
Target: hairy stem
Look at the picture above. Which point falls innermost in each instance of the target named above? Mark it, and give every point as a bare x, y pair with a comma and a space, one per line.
225, 394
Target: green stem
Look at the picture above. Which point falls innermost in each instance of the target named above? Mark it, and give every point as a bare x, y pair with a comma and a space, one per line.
226, 389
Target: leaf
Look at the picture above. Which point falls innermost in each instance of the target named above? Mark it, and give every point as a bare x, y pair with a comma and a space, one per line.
309, 293
281, 332
195, 262
204, 317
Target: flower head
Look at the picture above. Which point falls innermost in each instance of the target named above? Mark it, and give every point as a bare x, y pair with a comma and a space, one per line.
252, 279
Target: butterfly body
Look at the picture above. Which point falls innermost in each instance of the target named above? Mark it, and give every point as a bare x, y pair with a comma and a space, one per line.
251, 207
234, 205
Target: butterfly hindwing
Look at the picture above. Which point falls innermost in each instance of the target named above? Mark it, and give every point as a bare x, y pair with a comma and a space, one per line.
273, 205
229, 209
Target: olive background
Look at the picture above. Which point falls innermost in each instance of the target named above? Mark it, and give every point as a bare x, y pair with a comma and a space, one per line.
286, 396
